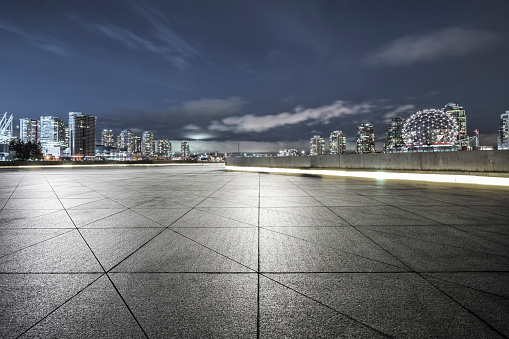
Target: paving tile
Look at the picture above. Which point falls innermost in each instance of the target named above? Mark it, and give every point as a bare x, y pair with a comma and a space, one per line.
380, 215
425, 256
348, 200
282, 253
344, 239
409, 200
12, 240
111, 246
23, 204
123, 219
96, 312
65, 253
28, 298
164, 217
35, 219
401, 305
172, 252
230, 201
496, 283
33, 194
215, 218
458, 216
133, 201
289, 201
302, 216
248, 215
82, 217
490, 308
444, 235
192, 305
69, 203
99, 204
239, 244
284, 313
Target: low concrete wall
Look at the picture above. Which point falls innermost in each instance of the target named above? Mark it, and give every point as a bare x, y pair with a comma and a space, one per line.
473, 162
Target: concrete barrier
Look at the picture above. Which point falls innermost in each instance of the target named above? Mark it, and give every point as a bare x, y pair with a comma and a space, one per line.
494, 163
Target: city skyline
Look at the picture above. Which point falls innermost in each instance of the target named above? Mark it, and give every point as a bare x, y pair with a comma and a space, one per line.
270, 75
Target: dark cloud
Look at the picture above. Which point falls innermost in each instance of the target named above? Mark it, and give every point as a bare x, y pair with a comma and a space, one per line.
445, 43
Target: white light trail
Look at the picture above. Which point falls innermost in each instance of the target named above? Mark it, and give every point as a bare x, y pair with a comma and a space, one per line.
444, 178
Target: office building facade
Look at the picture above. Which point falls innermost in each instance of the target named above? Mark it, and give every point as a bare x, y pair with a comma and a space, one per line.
81, 135
365, 139
29, 130
337, 143
125, 141
184, 149
162, 148
394, 134
458, 113
147, 144
52, 136
107, 138
316, 145
503, 132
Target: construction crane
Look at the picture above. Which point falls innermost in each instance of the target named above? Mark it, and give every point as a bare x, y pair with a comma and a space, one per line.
5, 129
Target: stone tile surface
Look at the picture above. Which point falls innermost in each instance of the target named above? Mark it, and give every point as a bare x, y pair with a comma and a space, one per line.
200, 252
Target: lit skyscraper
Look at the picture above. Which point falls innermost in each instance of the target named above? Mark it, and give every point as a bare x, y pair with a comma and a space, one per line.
458, 113
503, 132
337, 143
136, 145
394, 134
162, 148
126, 141
52, 134
184, 149
28, 130
316, 146
365, 138
107, 138
147, 144
81, 134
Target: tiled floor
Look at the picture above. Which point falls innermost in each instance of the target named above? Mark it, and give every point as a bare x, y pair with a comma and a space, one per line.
195, 251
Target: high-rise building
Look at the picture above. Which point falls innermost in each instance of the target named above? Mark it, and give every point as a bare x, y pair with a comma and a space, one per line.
126, 140
184, 149
394, 134
29, 130
316, 146
458, 113
136, 145
162, 148
52, 136
81, 134
147, 144
337, 143
503, 132
107, 138
288, 152
365, 138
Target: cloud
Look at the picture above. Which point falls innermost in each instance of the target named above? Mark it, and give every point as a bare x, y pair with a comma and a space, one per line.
160, 38
398, 110
40, 40
212, 108
253, 123
449, 42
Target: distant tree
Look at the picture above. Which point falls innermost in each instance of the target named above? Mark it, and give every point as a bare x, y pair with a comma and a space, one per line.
26, 151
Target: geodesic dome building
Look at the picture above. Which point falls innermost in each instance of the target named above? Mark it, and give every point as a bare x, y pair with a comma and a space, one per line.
430, 128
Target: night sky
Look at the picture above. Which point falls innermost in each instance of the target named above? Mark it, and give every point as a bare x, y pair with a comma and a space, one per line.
270, 74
